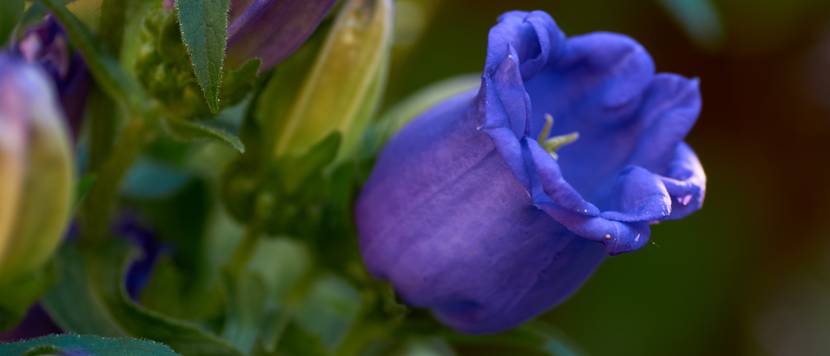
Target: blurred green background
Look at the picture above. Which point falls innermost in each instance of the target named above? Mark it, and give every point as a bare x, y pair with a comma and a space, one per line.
750, 273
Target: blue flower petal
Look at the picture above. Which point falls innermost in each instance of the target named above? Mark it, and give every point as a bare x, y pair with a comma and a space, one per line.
466, 214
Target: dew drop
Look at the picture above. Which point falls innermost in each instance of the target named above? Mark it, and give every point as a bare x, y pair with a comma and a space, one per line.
607, 237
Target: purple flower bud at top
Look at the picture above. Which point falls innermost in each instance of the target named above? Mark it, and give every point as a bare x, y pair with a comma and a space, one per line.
271, 30
47, 45
479, 211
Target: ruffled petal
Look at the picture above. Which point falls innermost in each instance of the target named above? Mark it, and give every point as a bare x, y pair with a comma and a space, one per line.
670, 109
638, 196
533, 36
551, 186
601, 85
617, 236
685, 182
595, 89
520, 45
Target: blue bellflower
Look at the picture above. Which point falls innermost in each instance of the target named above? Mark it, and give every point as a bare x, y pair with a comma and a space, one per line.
478, 211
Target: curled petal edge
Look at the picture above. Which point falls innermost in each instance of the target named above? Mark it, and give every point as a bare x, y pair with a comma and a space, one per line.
505, 109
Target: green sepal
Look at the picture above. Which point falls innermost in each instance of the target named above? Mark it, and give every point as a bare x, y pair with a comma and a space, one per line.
196, 131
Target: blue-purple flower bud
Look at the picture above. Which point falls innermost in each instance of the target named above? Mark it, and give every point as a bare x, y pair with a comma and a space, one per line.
271, 30
47, 45
479, 211
36, 169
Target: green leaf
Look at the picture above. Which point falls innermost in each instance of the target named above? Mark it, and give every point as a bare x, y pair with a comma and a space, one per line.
35, 13
426, 347
20, 294
104, 68
82, 189
186, 285
399, 115
312, 163
204, 27
112, 21
86, 344
532, 336
152, 179
329, 310
258, 310
188, 130
10, 13
343, 86
699, 18
90, 298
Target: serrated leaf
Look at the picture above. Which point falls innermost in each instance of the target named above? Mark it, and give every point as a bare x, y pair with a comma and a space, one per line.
10, 13
104, 68
90, 298
204, 27
188, 130
86, 344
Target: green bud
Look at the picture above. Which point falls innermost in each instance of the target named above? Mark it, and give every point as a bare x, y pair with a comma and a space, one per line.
343, 87
36, 170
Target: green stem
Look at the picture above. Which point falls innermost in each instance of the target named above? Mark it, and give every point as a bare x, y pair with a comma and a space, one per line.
103, 115
245, 250
111, 27
98, 207
364, 328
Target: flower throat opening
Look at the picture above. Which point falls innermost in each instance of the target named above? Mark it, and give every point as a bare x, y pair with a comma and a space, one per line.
554, 143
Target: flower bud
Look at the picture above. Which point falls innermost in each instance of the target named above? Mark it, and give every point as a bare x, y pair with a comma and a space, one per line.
271, 30
344, 84
48, 46
36, 174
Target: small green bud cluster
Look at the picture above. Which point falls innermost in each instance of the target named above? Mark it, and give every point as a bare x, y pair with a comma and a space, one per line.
164, 69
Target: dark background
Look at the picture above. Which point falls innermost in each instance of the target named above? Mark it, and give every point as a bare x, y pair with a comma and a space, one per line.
750, 272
